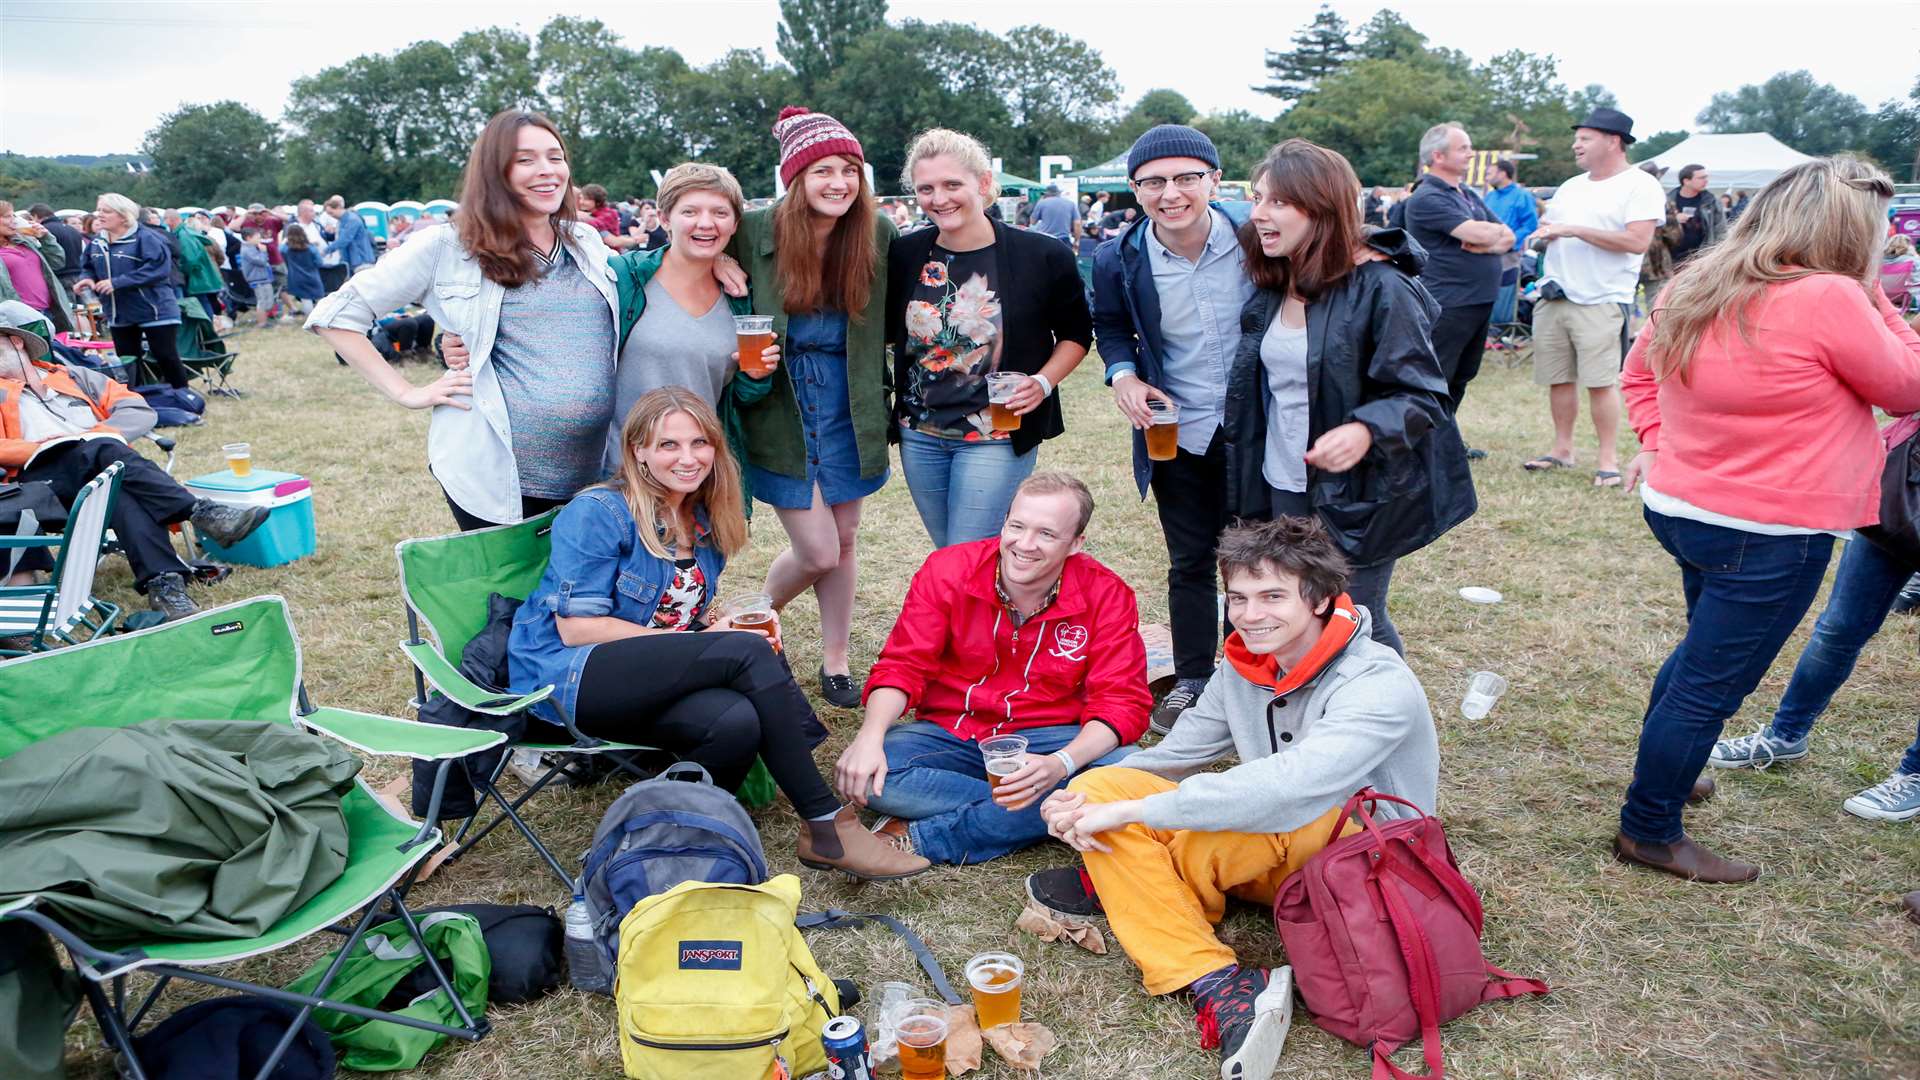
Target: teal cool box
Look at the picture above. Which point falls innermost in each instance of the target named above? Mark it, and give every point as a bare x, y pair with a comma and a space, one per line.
286, 535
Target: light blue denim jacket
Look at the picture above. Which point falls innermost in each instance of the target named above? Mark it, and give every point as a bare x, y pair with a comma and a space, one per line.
469, 450
598, 567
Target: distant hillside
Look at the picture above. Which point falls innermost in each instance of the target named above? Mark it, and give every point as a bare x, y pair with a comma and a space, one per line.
91, 160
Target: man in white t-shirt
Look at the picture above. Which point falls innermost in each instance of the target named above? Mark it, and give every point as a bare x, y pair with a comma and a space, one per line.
1595, 232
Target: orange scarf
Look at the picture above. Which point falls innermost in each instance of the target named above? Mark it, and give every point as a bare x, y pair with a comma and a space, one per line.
1264, 669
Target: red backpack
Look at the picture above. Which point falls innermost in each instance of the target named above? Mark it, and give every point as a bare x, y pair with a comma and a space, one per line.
1383, 934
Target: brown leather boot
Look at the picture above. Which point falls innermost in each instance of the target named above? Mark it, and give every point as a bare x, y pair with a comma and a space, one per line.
845, 845
1702, 791
1684, 859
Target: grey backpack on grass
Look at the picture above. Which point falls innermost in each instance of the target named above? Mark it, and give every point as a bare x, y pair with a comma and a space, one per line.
675, 827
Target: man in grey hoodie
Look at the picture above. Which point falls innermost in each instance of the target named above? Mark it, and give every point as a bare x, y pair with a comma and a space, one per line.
1315, 710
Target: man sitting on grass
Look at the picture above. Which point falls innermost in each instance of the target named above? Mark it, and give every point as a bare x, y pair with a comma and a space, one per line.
1315, 709
1020, 634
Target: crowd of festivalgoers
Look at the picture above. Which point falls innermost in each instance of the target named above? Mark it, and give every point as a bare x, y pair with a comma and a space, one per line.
1312, 363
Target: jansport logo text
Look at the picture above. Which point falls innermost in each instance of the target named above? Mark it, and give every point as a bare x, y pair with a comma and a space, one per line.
710, 956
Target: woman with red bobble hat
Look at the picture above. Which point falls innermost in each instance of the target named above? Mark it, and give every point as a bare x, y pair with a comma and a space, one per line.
816, 445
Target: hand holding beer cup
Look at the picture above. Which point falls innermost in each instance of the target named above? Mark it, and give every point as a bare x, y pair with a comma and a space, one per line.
757, 354
1036, 775
1023, 394
1163, 433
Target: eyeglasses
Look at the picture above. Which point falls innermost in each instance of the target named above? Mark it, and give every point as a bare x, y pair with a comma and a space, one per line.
1186, 181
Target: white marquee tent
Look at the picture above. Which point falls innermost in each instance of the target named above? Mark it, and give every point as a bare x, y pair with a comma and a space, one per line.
1744, 160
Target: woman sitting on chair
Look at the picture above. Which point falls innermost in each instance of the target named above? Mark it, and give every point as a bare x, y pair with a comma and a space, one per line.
622, 623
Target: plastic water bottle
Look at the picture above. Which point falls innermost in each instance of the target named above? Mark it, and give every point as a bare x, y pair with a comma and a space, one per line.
584, 965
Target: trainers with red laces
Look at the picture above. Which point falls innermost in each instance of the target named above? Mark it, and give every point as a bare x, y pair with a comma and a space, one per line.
1247, 1016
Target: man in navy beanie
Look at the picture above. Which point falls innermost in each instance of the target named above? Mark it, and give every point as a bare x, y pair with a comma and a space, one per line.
1167, 295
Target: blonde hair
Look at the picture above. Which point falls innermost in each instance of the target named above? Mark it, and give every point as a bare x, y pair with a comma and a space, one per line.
1898, 247
121, 205
718, 494
691, 176
1824, 216
958, 145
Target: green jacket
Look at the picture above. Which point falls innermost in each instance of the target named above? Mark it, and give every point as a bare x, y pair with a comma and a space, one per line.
632, 271
61, 309
202, 275
772, 425
185, 829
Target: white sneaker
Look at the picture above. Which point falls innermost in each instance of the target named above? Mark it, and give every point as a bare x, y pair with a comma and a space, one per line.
528, 765
1897, 798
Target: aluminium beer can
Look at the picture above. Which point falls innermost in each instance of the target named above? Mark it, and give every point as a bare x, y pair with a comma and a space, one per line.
845, 1042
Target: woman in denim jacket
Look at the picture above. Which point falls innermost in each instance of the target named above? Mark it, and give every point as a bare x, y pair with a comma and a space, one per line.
636, 564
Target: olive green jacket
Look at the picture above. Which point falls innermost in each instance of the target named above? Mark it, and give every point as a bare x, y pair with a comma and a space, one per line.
772, 424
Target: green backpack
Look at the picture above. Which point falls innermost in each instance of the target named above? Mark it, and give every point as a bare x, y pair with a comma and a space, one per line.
381, 959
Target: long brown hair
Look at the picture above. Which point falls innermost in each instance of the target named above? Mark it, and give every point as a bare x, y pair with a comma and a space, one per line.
719, 493
841, 278
491, 226
1825, 216
1320, 184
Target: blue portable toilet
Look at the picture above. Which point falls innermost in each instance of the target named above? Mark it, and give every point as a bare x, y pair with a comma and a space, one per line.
406, 208
444, 208
375, 215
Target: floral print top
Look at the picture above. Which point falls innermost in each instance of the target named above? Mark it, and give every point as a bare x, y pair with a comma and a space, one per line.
683, 599
954, 340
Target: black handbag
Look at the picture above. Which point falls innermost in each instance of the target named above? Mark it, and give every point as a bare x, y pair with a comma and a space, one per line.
37, 496
1898, 533
526, 945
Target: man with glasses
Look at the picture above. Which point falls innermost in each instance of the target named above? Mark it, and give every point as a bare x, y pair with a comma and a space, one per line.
1166, 316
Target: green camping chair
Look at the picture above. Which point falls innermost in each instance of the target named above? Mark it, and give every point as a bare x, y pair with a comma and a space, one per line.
65, 607
444, 582
203, 351
246, 665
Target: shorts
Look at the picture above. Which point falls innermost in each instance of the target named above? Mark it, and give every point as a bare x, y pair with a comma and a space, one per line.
263, 297
1577, 343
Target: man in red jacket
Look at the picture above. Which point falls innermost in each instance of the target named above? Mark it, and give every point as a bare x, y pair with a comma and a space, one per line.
1021, 634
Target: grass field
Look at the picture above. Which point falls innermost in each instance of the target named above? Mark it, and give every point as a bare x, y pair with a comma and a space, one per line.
1809, 972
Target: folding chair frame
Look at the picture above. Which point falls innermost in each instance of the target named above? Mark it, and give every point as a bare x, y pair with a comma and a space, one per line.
108, 614
96, 967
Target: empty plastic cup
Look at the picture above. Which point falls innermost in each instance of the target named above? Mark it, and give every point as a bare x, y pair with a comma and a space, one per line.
1483, 689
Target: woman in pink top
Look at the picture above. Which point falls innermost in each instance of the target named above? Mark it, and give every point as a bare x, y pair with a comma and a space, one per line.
1752, 390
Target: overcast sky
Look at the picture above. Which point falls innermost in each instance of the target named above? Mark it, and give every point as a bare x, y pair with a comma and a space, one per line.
91, 76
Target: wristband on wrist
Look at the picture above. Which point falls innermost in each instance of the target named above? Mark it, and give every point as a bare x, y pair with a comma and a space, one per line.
1067, 760
1046, 387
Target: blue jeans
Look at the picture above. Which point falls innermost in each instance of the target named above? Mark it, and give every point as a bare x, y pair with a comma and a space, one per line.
1864, 588
1745, 593
962, 489
938, 782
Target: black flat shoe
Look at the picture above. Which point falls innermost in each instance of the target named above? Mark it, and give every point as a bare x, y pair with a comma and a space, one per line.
839, 690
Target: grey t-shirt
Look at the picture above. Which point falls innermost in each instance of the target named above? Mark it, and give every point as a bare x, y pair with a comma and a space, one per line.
669, 347
553, 354
1283, 353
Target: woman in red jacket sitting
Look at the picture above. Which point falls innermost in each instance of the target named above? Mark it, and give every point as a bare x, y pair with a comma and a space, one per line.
1768, 353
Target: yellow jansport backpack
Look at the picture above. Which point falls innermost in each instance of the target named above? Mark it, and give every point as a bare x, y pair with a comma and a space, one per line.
713, 981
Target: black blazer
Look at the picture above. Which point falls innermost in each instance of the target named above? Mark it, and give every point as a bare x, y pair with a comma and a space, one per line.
1042, 302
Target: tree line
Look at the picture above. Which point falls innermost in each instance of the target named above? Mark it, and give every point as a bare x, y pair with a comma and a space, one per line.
397, 125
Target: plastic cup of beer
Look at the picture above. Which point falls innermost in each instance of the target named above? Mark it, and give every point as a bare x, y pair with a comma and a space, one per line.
755, 333
1001, 386
920, 1026
1163, 434
995, 978
754, 611
1004, 755
239, 458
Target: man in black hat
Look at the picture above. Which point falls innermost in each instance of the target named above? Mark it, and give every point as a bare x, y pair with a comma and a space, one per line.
1597, 229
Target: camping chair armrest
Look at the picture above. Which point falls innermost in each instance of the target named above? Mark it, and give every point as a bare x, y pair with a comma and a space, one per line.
386, 735
446, 678
23, 909
13, 541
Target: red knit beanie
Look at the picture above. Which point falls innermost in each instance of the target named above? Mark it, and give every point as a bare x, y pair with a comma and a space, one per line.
807, 136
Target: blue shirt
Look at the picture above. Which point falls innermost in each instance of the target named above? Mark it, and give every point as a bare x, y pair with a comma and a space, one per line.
598, 567
1514, 206
1200, 306
1055, 215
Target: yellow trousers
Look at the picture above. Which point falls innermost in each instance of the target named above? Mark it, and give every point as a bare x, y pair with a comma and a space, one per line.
1164, 890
